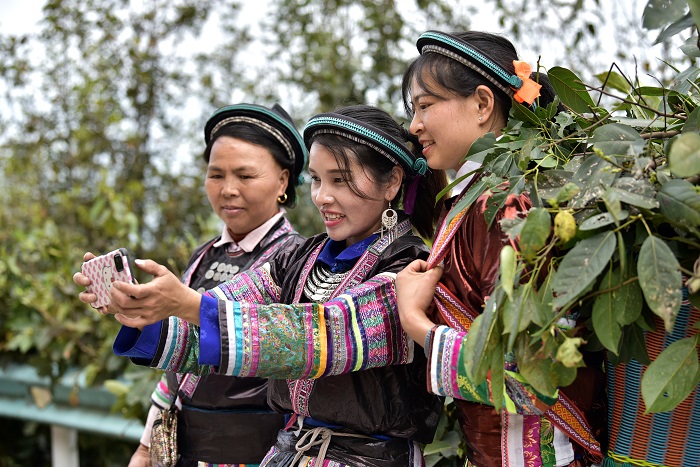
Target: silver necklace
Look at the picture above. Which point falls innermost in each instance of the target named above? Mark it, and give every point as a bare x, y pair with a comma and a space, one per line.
321, 283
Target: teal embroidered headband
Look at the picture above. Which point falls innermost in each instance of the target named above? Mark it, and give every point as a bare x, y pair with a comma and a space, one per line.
274, 121
347, 127
518, 85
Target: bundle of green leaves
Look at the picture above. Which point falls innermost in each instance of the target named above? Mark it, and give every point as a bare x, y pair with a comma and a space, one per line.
612, 239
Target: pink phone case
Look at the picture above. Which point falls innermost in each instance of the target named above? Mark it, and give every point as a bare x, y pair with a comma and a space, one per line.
104, 270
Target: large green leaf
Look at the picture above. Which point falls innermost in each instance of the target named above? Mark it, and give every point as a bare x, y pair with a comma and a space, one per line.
671, 376
615, 138
476, 190
660, 279
581, 266
685, 81
631, 198
680, 203
551, 182
614, 80
535, 233
601, 220
693, 122
616, 308
570, 89
694, 6
690, 47
484, 336
681, 24
658, 13
524, 114
636, 192
605, 325
593, 176
640, 122
481, 148
684, 156
497, 374
632, 346
518, 312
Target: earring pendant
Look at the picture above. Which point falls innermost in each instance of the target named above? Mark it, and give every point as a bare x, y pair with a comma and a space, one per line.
389, 220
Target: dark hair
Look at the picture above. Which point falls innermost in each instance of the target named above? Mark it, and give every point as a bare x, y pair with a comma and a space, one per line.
253, 134
425, 214
463, 81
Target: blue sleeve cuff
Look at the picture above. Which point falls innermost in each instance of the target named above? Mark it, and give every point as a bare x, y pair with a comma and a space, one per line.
209, 332
140, 346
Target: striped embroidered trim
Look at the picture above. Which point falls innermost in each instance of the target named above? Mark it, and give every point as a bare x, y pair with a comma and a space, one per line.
278, 135
456, 315
566, 416
444, 237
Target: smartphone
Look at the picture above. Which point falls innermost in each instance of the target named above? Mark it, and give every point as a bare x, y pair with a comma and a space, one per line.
116, 265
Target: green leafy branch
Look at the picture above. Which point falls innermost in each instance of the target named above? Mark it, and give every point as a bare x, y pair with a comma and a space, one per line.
615, 225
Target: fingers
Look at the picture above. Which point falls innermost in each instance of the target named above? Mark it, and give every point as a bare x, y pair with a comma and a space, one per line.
81, 279
417, 265
88, 256
435, 273
86, 297
135, 322
151, 267
129, 290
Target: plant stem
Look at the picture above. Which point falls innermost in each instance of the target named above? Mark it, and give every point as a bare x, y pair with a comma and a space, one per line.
659, 134
611, 289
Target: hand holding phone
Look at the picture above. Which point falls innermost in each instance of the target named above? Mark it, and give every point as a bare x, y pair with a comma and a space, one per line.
102, 271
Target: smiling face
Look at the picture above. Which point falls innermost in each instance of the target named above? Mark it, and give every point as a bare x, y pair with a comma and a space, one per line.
346, 215
446, 125
243, 184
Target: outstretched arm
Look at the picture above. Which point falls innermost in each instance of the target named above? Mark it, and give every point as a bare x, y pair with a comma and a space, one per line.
358, 330
138, 305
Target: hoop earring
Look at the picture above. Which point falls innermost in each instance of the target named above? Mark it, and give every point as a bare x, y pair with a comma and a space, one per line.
282, 199
389, 220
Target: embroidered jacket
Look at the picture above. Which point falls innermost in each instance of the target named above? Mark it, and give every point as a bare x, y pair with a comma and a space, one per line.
369, 379
521, 435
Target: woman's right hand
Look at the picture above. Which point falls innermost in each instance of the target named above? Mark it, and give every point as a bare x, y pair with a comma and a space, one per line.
141, 457
415, 287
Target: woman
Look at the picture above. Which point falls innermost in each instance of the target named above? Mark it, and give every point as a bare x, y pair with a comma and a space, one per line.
460, 88
315, 321
254, 157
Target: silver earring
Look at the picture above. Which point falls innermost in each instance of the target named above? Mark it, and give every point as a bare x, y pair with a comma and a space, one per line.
389, 220
479, 117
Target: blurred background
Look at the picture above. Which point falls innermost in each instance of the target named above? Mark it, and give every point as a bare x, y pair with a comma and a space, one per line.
102, 108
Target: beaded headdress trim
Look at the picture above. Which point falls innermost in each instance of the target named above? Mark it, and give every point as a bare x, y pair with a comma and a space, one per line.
265, 126
519, 85
362, 133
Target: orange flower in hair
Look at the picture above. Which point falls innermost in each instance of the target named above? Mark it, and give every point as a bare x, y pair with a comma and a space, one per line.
530, 90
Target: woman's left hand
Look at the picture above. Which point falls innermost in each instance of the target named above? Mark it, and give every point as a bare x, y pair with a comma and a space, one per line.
137, 305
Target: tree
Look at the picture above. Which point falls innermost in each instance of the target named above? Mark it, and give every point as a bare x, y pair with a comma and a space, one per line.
86, 162
342, 52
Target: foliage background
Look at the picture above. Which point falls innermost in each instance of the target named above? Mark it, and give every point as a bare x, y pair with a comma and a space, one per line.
102, 111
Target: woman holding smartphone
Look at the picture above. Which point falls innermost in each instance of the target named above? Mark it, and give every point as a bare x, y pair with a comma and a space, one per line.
317, 321
254, 157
